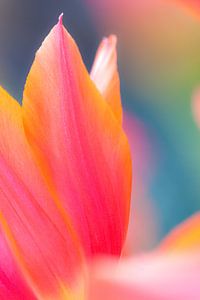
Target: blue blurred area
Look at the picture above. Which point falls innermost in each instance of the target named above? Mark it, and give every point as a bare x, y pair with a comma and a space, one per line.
174, 188
23, 26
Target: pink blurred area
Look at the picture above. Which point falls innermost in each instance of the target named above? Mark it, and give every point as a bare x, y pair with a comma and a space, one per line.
143, 229
196, 106
147, 277
142, 10
192, 5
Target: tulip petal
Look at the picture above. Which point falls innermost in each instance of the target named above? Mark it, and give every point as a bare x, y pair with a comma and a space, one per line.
38, 234
148, 277
12, 284
105, 75
81, 146
184, 237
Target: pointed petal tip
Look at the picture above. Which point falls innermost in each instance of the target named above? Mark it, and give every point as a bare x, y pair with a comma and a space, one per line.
105, 75
112, 39
60, 19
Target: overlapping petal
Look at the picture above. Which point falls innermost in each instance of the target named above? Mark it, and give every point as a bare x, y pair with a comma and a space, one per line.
40, 236
12, 284
63, 160
160, 275
79, 143
105, 75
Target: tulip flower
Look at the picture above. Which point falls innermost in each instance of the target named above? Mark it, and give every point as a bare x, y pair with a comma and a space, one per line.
65, 171
171, 272
65, 181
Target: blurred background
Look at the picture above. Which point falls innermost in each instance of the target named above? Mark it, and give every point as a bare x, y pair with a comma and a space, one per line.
159, 64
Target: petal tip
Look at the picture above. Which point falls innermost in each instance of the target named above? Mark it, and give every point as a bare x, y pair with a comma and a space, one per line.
60, 19
113, 39
110, 41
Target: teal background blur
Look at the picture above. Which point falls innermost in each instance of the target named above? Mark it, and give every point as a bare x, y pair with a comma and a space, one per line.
159, 63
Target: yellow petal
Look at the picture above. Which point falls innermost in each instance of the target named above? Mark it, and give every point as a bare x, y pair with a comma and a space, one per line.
186, 236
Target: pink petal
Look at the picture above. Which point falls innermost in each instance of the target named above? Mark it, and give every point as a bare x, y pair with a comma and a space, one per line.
80, 144
164, 274
105, 75
12, 283
36, 228
150, 277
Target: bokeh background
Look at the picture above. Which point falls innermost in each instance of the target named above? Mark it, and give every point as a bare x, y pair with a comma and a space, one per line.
159, 64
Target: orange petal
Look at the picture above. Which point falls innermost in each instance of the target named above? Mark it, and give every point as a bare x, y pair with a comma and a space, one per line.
105, 75
83, 150
184, 237
39, 236
148, 277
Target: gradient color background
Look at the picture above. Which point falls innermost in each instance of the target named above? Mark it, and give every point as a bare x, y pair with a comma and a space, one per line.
159, 62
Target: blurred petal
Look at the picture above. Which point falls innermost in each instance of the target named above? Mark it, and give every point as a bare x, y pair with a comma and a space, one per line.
39, 235
12, 284
184, 237
196, 106
150, 277
105, 75
83, 150
143, 226
160, 275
